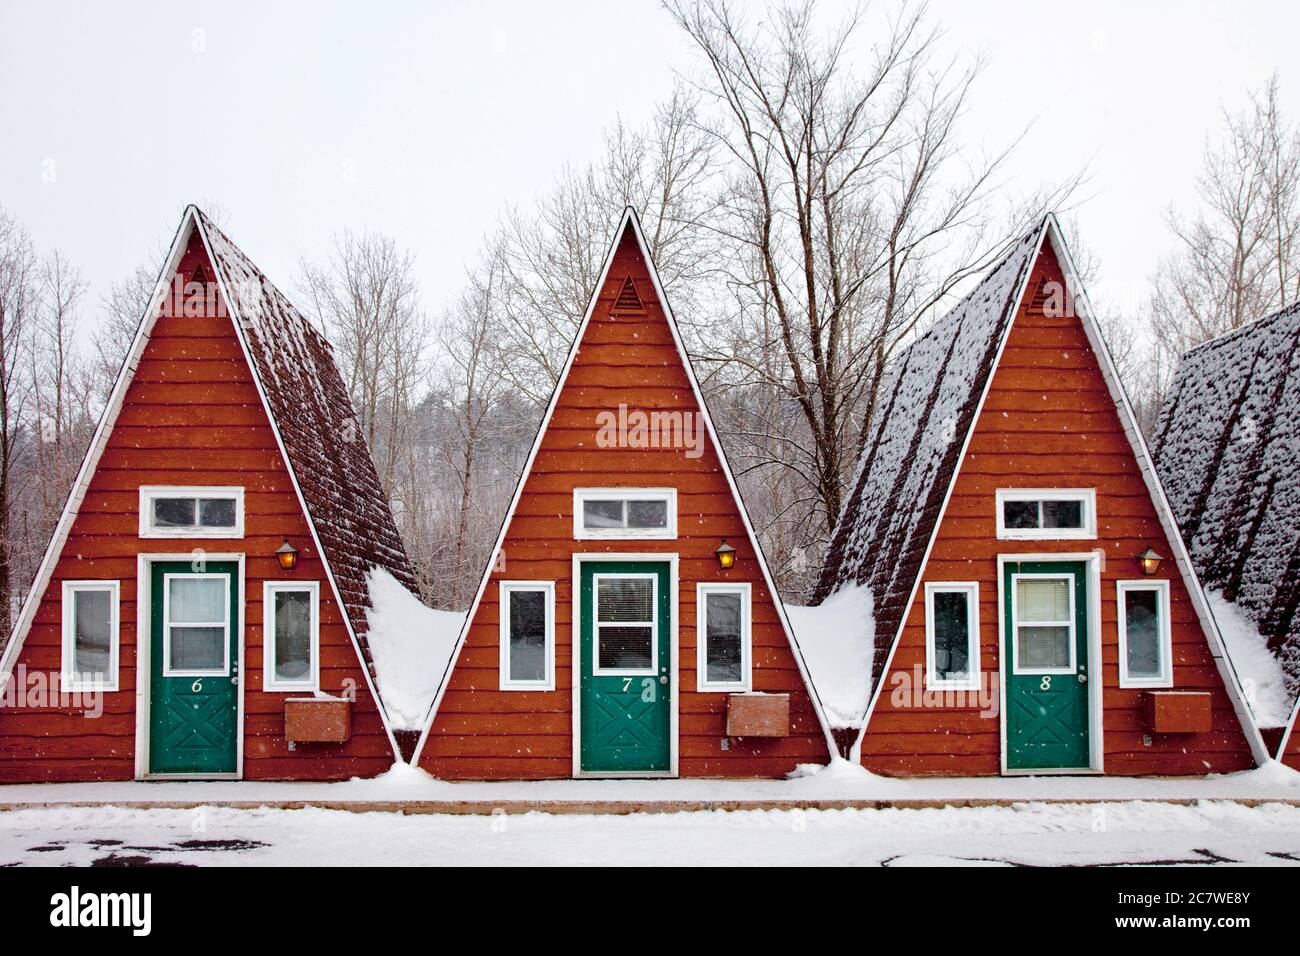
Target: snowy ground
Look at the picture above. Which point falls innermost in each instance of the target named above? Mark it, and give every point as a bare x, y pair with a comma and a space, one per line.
1070, 834
49, 824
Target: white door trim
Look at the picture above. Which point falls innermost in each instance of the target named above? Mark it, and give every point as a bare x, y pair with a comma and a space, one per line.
576, 655
1092, 561
143, 651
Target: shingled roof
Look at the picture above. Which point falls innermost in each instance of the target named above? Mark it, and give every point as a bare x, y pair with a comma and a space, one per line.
1226, 449
311, 415
927, 407
323, 442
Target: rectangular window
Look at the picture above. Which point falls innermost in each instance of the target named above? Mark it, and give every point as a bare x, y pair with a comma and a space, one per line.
291, 635
952, 635
1041, 514
527, 635
624, 513
185, 512
1145, 636
723, 637
1042, 607
90, 635
627, 634
196, 622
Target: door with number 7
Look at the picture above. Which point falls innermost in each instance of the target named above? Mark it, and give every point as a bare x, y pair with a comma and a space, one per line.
625, 668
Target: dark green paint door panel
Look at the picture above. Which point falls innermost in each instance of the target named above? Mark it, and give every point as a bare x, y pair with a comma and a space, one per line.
194, 667
1046, 647
625, 687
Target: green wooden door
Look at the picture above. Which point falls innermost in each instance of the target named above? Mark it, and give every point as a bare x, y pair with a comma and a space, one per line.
1046, 647
626, 667
194, 668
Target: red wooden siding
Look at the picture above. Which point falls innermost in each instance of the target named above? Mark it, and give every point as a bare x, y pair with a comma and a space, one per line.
1049, 421
481, 732
1291, 755
191, 416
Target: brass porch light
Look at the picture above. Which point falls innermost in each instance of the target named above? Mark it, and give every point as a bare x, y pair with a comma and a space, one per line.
287, 555
726, 556
1150, 561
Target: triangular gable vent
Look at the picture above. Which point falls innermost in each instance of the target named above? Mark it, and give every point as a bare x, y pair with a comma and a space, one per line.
628, 300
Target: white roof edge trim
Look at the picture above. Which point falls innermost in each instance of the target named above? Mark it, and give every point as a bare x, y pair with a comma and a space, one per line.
236, 321
1146, 466
95, 450
855, 754
630, 218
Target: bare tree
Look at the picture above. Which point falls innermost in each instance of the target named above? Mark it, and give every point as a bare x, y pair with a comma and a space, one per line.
550, 257
850, 210
18, 297
364, 298
1237, 256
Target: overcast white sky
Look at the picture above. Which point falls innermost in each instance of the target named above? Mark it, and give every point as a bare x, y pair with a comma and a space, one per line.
426, 120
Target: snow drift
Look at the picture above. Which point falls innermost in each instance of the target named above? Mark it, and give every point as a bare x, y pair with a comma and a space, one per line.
411, 645
837, 639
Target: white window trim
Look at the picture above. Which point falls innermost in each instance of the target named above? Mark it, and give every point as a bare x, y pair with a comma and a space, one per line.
702, 683
1070, 668
68, 678
168, 670
653, 669
972, 591
1086, 496
269, 681
503, 609
581, 495
1164, 634
149, 492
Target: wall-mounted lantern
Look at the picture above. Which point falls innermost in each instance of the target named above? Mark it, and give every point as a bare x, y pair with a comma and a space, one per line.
726, 556
287, 555
1150, 561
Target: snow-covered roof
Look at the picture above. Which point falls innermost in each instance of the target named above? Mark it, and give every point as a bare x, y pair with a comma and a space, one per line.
311, 410
1226, 449
927, 407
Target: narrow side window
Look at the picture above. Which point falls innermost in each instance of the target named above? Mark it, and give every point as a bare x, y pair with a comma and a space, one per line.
527, 612
90, 635
723, 637
952, 635
1145, 635
291, 632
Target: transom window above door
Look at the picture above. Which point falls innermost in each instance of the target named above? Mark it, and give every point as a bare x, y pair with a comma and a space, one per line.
188, 512
626, 631
624, 513
1040, 514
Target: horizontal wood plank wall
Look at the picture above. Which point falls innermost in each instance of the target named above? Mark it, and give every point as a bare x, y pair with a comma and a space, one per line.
192, 416
1048, 422
481, 732
1291, 755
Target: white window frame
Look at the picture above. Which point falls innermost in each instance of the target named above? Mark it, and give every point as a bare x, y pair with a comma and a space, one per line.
149, 493
653, 669
505, 588
168, 670
972, 591
1164, 633
1070, 668
269, 680
702, 682
582, 495
69, 679
1086, 496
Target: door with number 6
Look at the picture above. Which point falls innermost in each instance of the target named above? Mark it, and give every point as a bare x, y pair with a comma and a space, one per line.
625, 668
194, 668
